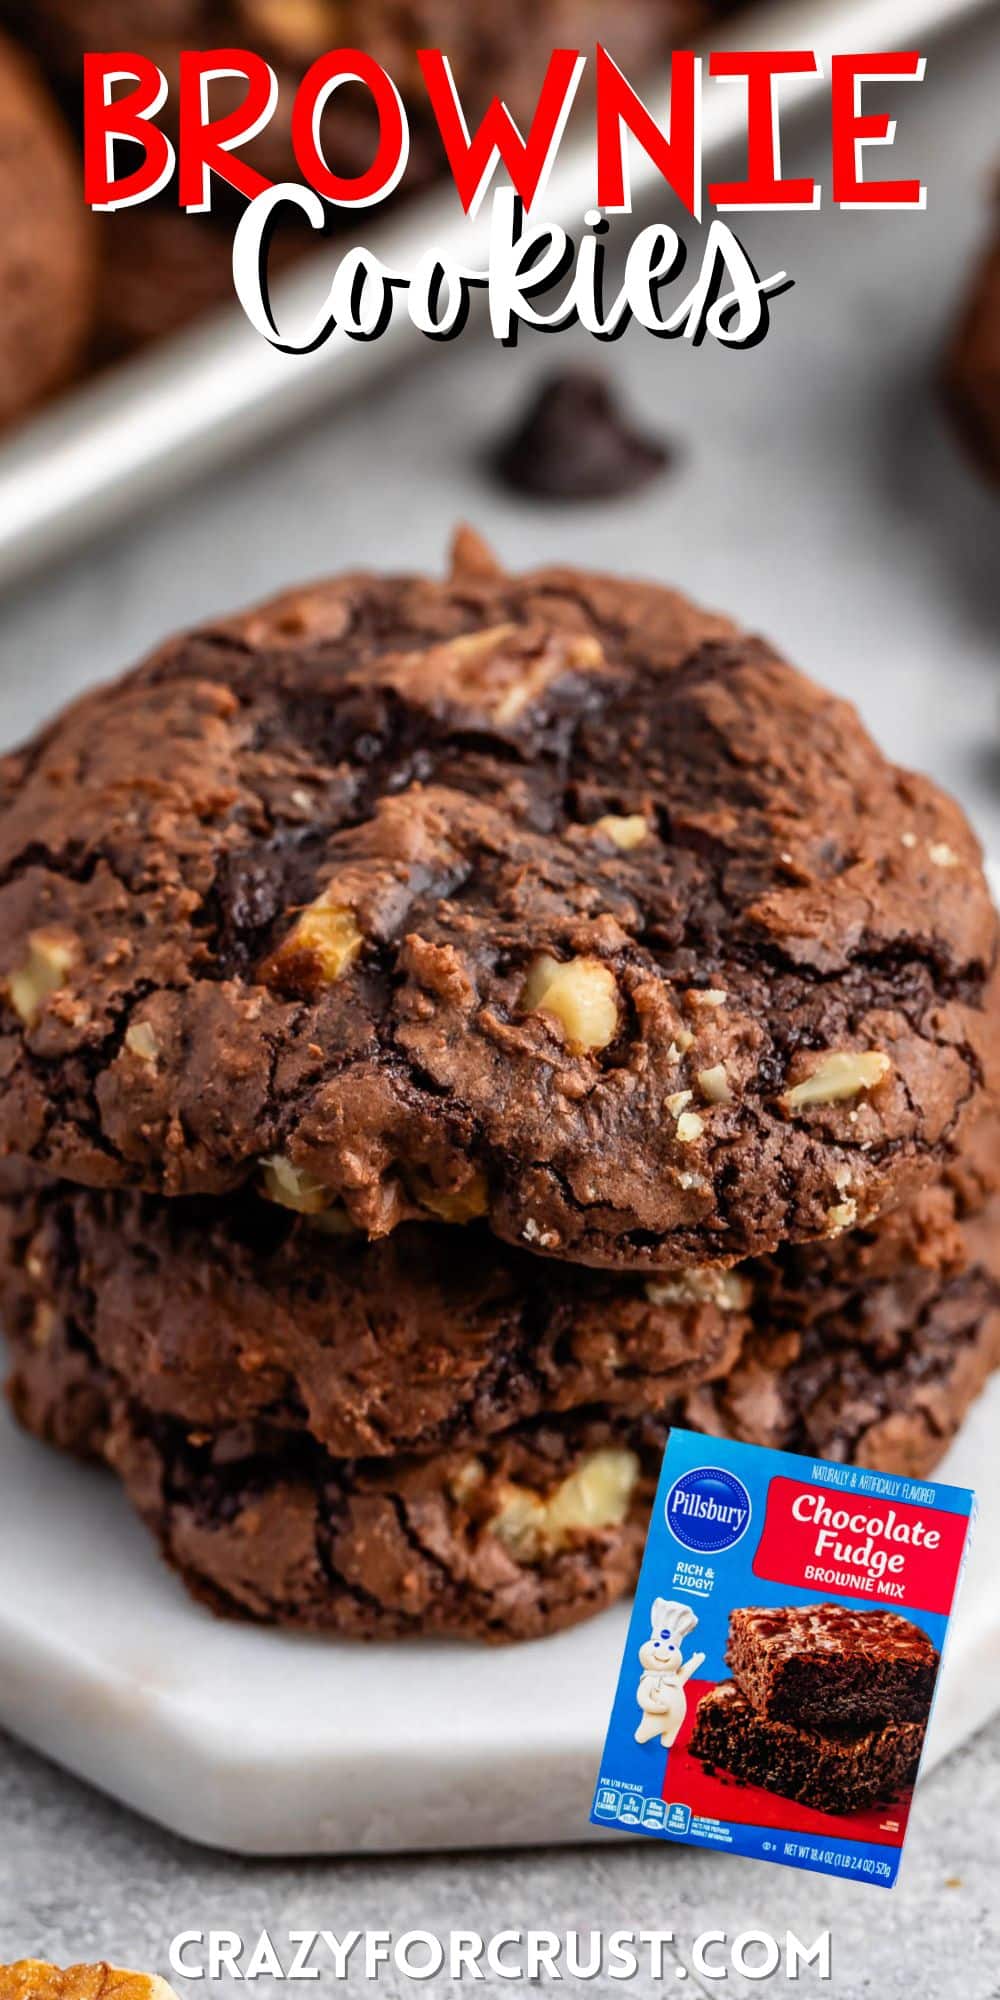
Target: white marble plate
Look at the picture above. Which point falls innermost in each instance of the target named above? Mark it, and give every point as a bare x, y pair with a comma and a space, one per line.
271, 1744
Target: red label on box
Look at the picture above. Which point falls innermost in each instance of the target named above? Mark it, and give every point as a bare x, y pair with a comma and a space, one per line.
860, 1546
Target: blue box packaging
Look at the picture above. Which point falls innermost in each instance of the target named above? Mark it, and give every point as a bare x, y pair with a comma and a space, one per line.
782, 1657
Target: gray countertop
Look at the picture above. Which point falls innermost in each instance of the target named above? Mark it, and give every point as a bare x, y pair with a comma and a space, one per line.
81, 1878
816, 491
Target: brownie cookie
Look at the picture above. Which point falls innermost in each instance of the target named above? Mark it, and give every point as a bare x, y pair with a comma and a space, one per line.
160, 268
46, 262
870, 1385
973, 375
829, 1774
506, 1535
535, 1530
884, 1379
222, 1313
549, 899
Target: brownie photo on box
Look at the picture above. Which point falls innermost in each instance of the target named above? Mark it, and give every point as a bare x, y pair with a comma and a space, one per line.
830, 1774
827, 1706
834, 1670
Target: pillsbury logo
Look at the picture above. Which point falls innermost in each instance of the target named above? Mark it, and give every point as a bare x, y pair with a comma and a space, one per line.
708, 1510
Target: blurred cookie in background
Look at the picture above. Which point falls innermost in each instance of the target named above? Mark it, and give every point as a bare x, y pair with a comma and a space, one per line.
972, 380
490, 50
161, 267
46, 243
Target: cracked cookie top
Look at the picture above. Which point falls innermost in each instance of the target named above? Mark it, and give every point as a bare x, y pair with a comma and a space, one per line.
550, 899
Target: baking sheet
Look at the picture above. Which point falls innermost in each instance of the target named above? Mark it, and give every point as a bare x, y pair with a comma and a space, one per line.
156, 422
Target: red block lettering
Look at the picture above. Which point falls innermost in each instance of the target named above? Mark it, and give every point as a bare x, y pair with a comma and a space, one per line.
207, 145
338, 67
764, 187
129, 118
473, 158
675, 155
852, 130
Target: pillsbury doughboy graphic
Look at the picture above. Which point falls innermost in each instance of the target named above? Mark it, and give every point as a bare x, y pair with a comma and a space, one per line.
661, 1692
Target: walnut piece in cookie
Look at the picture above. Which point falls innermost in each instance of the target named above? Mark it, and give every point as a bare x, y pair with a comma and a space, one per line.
50, 957
460, 1205
626, 830
140, 1038
293, 1187
321, 946
837, 1074
597, 1494
580, 995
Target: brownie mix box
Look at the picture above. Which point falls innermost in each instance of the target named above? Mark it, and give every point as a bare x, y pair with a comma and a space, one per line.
782, 1657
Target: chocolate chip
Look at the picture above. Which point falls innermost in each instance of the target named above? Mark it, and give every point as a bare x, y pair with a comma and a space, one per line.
575, 443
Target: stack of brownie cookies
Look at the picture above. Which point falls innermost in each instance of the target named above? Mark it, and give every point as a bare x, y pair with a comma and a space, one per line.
826, 1706
452, 1031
